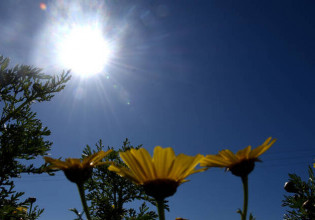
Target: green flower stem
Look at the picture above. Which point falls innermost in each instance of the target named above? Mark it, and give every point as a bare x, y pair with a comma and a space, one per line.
245, 205
30, 211
160, 207
83, 200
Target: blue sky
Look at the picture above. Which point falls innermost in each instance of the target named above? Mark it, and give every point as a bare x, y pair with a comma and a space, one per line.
199, 76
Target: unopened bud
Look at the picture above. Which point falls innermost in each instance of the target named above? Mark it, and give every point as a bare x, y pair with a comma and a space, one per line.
31, 200
290, 187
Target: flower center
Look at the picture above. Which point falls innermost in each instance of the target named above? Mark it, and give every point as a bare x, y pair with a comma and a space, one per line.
160, 188
77, 174
243, 168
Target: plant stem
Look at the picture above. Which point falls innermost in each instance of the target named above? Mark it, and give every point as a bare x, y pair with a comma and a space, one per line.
160, 207
245, 205
83, 200
30, 211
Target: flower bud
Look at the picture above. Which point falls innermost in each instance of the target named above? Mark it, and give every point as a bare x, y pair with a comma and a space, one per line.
290, 187
31, 200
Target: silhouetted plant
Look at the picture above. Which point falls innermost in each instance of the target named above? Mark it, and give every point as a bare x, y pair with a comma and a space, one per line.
22, 134
302, 200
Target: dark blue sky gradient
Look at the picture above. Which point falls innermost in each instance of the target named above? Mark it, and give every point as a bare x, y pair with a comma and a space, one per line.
200, 76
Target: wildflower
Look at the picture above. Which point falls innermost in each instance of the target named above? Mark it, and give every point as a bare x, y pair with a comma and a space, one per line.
161, 175
77, 170
21, 209
241, 163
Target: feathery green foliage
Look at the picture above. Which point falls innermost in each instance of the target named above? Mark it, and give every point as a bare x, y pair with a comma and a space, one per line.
22, 134
302, 199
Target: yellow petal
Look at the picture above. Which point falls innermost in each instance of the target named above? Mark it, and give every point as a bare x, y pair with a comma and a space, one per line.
228, 155
194, 163
199, 170
255, 153
145, 161
243, 154
216, 161
56, 164
267, 141
73, 162
124, 172
103, 163
163, 159
133, 165
183, 165
95, 158
50, 160
21, 209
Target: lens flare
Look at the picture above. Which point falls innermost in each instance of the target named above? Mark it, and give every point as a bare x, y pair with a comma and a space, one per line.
42, 6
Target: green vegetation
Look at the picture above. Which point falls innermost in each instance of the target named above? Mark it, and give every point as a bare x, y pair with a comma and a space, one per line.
302, 199
22, 134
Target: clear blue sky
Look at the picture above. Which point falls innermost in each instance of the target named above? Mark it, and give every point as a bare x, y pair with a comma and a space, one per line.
199, 76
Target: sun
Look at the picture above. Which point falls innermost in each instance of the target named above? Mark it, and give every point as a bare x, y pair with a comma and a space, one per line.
84, 50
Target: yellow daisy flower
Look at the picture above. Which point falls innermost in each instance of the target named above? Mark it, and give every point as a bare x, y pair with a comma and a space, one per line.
161, 174
241, 163
77, 170
21, 209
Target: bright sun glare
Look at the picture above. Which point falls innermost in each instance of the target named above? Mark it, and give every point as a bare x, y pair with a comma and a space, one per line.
84, 50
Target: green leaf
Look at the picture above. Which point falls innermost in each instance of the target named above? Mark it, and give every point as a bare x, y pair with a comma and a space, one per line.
4, 63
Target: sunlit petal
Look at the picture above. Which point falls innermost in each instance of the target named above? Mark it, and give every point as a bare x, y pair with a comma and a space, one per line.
228, 155
161, 175
134, 165
75, 169
145, 162
262, 148
163, 159
124, 172
243, 154
241, 163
